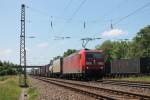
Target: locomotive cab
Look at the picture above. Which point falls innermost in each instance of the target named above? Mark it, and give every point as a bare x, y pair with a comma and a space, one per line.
94, 64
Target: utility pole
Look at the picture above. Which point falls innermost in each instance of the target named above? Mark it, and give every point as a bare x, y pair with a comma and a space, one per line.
23, 81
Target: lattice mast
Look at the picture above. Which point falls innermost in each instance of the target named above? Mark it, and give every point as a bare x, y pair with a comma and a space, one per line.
22, 45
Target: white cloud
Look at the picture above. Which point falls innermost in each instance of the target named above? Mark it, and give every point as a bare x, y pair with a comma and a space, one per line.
5, 52
43, 45
113, 32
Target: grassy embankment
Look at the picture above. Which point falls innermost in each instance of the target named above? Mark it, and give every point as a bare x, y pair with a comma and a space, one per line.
9, 88
32, 92
142, 78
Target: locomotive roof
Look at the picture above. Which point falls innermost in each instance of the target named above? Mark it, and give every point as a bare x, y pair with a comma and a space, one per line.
84, 50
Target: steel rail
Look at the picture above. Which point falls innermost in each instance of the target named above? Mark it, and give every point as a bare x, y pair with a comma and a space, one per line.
117, 92
137, 84
88, 93
140, 96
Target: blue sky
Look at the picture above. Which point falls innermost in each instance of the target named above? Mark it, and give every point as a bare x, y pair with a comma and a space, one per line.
97, 15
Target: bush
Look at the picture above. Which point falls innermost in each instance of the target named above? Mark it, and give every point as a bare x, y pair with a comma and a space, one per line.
7, 68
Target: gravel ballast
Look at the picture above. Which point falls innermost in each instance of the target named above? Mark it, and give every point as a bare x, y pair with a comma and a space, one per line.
49, 91
142, 91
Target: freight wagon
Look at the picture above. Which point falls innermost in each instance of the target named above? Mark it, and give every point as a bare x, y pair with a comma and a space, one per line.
128, 67
35, 72
44, 70
56, 68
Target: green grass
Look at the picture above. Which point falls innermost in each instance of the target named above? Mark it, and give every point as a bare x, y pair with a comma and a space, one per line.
32, 93
142, 78
3, 78
9, 88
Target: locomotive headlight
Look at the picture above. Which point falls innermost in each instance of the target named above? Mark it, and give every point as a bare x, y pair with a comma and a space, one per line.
88, 63
100, 63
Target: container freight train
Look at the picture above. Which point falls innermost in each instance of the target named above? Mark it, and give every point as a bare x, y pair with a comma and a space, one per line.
85, 64
90, 64
127, 67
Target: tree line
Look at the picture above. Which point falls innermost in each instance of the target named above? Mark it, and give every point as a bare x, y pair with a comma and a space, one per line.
138, 47
7, 68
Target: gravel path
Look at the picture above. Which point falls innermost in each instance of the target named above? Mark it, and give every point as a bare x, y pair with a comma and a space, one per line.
23, 95
52, 92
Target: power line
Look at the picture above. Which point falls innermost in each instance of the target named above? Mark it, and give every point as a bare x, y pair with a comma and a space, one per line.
81, 21
78, 8
49, 16
110, 11
44, 13
67, 6
63, 18
132, 13
81, 4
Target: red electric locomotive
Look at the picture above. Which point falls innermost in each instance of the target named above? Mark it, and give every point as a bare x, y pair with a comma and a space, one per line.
87, 64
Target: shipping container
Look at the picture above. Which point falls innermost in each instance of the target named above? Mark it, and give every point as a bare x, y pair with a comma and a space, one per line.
57, 66
129, 66
43, 70
145, 65
125, 66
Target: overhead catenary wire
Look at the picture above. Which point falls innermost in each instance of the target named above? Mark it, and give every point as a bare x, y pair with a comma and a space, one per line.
84, 24
68, 5
89, 21
76, 11
45, 13
64, 20
128, 15
108, 13
132, 13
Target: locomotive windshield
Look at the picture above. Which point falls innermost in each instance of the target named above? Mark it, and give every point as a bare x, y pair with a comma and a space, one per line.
93, 56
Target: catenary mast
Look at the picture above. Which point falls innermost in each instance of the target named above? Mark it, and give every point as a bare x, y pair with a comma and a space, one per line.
23, 81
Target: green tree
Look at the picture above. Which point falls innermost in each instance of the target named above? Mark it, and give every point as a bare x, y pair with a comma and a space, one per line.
1, 64
121, 49
141, 43
115, 49
107, 47
7, 68
57, 57
69, 52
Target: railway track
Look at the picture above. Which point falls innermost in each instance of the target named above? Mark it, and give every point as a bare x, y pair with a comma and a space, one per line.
96, 92
144, 85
